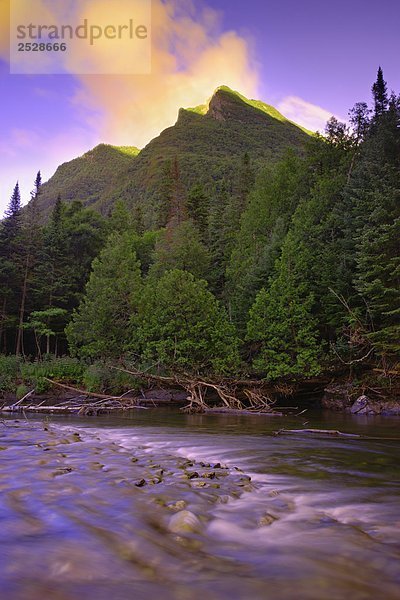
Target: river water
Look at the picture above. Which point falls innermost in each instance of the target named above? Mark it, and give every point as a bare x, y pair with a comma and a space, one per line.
157, 504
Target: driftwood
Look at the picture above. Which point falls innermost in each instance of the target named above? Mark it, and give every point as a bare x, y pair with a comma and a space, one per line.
85, 392
78, 405
232, 411
22, 399
332, 433
235, 394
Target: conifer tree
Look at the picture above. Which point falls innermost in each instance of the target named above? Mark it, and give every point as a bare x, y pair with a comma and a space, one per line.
375, 197
10, 230
31, 240
52, 281
379, 92
181, 248
99, 327
181, 326
282, 326
198, 205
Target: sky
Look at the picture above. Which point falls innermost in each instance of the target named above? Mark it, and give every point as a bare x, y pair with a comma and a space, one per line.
310, 59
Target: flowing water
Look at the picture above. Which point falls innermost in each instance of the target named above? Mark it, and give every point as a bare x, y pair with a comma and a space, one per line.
95, 509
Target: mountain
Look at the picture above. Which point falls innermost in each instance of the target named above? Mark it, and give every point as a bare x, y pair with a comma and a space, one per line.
88, 177
208, 142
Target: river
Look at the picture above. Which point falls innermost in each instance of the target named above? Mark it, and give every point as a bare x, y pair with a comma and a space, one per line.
158, 504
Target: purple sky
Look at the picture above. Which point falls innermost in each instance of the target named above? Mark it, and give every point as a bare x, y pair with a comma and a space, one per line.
321, 53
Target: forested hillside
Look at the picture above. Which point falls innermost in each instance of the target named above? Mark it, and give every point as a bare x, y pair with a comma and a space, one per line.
209, 143
287, 267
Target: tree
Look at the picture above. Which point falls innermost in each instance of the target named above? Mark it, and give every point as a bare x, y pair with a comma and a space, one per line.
177, 200
99, 327
10, 230
12, 214
282, 328
198, 205
263, 228
374, 194
238, 201
379, 92
31, 235
181, 326
181, 248
52, 281
45, 323
85, 232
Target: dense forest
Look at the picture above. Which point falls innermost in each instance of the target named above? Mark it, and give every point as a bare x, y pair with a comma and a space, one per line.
287, 270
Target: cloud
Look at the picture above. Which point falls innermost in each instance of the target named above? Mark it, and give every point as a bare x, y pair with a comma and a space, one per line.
191, 56
304, 113
16, 141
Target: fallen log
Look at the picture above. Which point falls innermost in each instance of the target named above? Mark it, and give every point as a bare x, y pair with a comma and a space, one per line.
330, 432
23, 399
79, 405
242, 411
86, 393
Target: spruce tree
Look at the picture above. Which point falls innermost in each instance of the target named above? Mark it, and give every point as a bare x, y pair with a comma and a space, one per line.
376, 204
181, 248
380, 96
10, 249
99, 327
31, 237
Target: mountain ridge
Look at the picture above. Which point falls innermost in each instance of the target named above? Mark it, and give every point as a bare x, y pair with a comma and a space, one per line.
208, 142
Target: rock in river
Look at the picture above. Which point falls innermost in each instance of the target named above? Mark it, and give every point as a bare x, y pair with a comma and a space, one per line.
184, 522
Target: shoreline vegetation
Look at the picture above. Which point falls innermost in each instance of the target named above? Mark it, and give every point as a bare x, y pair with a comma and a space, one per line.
248, 282
68, 386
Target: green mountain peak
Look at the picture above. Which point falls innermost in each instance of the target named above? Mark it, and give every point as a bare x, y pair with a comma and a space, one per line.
208, 140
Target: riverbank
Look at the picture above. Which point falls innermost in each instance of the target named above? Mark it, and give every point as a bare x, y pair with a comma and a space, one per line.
65, 385
372, 394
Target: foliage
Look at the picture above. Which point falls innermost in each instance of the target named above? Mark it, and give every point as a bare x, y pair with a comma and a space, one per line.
181, 248
63, 369
286, 241
99, 326
282, 326
181, 326
103, 378
9, 373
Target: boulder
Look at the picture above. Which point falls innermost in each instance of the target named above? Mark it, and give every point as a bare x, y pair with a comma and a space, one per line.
362, 407
184, 522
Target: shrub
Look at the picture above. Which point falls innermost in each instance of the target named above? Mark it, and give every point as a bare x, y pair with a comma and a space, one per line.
9, 373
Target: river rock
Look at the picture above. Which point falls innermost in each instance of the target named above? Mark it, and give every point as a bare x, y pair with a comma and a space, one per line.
361, 406
184, 522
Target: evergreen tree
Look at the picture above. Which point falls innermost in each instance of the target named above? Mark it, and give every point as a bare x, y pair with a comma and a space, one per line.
282, 326
181, 326
263, 227
181, 248
379, 92
238, 202
216, 239
52, 286
99, 327
10, 230
12, 214
198, 206
31, 240
375, 196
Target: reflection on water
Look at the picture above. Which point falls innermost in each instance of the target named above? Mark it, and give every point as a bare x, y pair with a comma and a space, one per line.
87, 507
